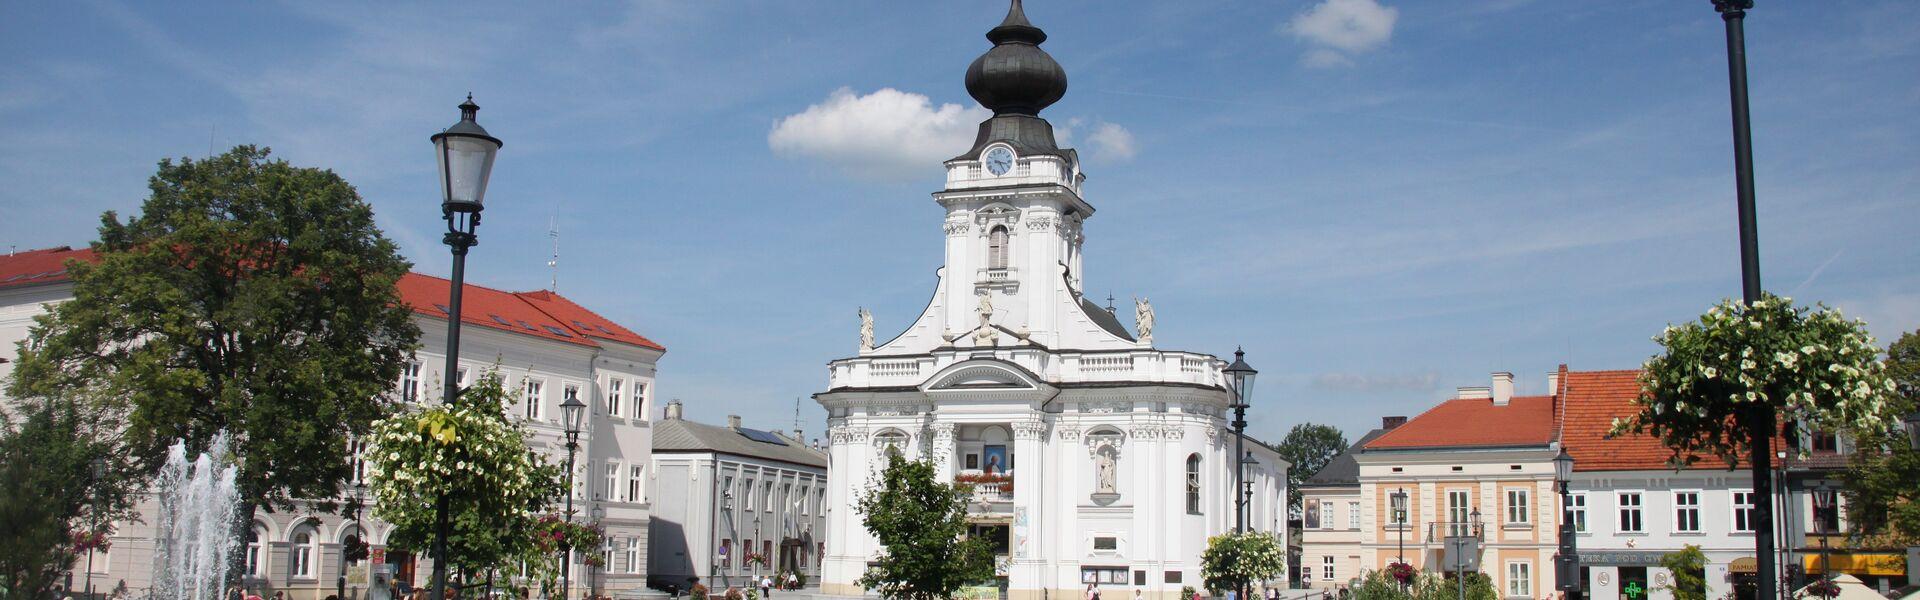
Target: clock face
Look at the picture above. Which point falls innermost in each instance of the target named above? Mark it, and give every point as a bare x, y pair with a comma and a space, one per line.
999, 160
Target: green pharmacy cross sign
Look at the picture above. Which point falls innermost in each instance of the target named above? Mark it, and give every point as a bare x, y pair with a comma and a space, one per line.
1634, 590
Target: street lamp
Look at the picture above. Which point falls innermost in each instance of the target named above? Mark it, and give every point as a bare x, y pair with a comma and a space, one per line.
1569, 559
1913, 429
1241, 375
1460, 544
99, 476
349, 545
1823, 502
572, 411
1398, 506
465, 153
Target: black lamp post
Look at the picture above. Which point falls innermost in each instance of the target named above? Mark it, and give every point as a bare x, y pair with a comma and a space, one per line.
99, 476
1734, 13
1823, 504
465, 153
1398, 506
1241, 375
1569, 559
1460, 544
572, 411
349, 545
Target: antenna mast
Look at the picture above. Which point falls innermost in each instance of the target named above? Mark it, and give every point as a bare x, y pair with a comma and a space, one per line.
553, 264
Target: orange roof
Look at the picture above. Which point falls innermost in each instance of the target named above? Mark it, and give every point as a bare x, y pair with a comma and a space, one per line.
540, 314
1593, 400
1475, 423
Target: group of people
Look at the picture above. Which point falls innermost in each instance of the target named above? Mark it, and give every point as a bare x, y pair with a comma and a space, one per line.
766, 583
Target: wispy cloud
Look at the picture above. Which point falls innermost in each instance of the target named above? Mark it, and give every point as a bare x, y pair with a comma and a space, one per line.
1339, 29
888, 134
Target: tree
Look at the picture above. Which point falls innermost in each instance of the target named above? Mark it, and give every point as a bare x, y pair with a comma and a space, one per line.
64, 487
1688, 570
1883, 504
475, 456
1308, 447
1742, 371
249, 297
921, 523
1233, 561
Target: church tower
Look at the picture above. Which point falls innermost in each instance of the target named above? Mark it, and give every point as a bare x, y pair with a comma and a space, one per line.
1014, 218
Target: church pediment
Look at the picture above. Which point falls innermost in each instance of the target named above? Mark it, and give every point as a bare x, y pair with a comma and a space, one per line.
983, 374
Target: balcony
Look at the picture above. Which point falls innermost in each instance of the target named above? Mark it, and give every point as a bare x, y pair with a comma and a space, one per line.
987, 488
1439, 532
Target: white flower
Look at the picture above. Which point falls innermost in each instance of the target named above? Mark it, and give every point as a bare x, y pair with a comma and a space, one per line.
1710, 372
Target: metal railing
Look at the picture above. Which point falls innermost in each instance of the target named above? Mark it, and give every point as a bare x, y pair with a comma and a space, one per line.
1439, 531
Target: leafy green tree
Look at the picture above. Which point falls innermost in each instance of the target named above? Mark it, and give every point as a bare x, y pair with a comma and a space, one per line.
65, 485
1883, 504
250, 297
473, 455
1308, 447
1235, 560
1688, 570
921, 523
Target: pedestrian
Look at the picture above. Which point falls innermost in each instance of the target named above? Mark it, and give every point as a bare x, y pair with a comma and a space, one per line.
766, 586
1273, 593
1137, 595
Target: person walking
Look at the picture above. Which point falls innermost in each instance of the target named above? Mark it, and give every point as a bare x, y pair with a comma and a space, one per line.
766, 586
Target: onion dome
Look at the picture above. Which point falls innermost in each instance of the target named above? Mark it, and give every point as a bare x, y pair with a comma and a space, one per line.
1016, 76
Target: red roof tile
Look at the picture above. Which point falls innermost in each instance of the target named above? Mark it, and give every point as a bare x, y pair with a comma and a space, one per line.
1593, 399
540, 314
1468, 423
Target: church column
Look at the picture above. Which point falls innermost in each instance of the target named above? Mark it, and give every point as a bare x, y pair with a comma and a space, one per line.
1040, 275
943, 446
959, 273
1064, 545
1029, 500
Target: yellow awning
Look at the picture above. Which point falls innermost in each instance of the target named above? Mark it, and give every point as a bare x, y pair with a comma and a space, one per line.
1858, 563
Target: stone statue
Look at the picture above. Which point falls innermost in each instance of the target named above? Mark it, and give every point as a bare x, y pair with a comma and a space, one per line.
866, 330
986, 308
1143, 319
1103, 473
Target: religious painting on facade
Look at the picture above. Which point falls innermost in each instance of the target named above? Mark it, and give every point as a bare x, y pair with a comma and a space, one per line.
995, 457
1312, 515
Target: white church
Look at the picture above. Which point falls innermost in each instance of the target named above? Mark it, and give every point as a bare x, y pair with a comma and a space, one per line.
1094, 456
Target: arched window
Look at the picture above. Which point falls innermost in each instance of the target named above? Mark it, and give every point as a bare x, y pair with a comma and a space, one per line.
305, 547
1193, 484
891, 440
997, 247
254, 536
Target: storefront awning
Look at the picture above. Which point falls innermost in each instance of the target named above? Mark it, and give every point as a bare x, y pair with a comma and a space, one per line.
1884, 564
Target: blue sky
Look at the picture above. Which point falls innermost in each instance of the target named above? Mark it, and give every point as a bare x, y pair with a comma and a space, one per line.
1380, 201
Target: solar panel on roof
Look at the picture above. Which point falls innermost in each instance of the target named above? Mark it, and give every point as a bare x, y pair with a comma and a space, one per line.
497, 319
557, 331
762, 436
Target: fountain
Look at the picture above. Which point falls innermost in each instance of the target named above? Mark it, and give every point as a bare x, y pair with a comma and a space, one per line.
195, 534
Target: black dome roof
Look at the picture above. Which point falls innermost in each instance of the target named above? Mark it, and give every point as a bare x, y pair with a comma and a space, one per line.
1016, 76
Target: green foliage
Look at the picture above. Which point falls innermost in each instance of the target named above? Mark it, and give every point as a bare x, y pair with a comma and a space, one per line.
250, 297
65, 486
1688, 568
921, 524
1232, 560
1883, 504
1187, 592
1383, 585
1745, 370
1308, 447
475, 456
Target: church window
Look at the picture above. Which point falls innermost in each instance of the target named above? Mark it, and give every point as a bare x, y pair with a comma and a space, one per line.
997, 248
1193, 484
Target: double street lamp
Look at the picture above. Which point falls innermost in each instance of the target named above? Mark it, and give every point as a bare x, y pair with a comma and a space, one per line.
465, 152
1568, 562
573, 411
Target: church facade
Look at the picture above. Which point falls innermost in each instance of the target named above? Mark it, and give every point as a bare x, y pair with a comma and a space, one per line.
1093, 456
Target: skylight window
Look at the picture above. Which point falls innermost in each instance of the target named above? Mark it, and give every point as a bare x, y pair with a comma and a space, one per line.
497, 319
557, 331
527, 326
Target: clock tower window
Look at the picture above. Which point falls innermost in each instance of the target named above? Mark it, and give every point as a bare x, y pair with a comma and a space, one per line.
997, 247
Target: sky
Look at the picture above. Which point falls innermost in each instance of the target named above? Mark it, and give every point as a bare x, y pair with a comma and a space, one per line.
1380, 200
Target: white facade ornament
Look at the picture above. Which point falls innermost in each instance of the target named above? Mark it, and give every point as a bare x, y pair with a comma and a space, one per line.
957, 227
1040, 223
1103, 472
866, 330
1143, 319
1103, 408
1029, 430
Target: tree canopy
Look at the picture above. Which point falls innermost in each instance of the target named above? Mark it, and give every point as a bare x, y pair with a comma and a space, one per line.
1309, 447
921, 525
1234, 560
1883, 504
65, 487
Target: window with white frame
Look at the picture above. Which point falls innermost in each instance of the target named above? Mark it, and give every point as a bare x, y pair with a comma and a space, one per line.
1193, 484
1353, 515
766, 497
614, 392
534, 398
997, 248
639, 399
460, 376
1520, 579
1326, 515
633, 555
356, 460
305, 547
1743, 511
1576, 511
1686, 512
1629, 521
255, 541
606, 553
746, 500
786, 496
410, 381
806, 496
635, 474
1326, 568
1518, 506
613, 480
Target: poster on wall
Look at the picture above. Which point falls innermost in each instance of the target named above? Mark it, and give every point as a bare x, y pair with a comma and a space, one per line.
1312, 516
994, 459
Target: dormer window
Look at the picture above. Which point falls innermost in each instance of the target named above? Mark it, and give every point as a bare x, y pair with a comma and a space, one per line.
997, 247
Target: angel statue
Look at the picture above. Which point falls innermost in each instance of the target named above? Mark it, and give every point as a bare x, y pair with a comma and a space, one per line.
1143, 319
866, 329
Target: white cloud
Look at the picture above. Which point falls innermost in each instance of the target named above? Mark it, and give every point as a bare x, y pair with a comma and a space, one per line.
1111, 142
1342, 28
888, 134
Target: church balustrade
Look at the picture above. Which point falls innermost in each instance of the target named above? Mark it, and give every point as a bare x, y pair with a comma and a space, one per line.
1136, 365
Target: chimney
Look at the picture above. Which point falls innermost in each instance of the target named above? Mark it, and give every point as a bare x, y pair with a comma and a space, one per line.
1553, 383
733, 422
1472, 392
673, 411
799, 436
1389, 423
1502, 388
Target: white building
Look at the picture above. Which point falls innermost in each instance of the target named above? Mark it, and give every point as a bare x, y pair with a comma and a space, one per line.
1096, 457
543, 344
724, 493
